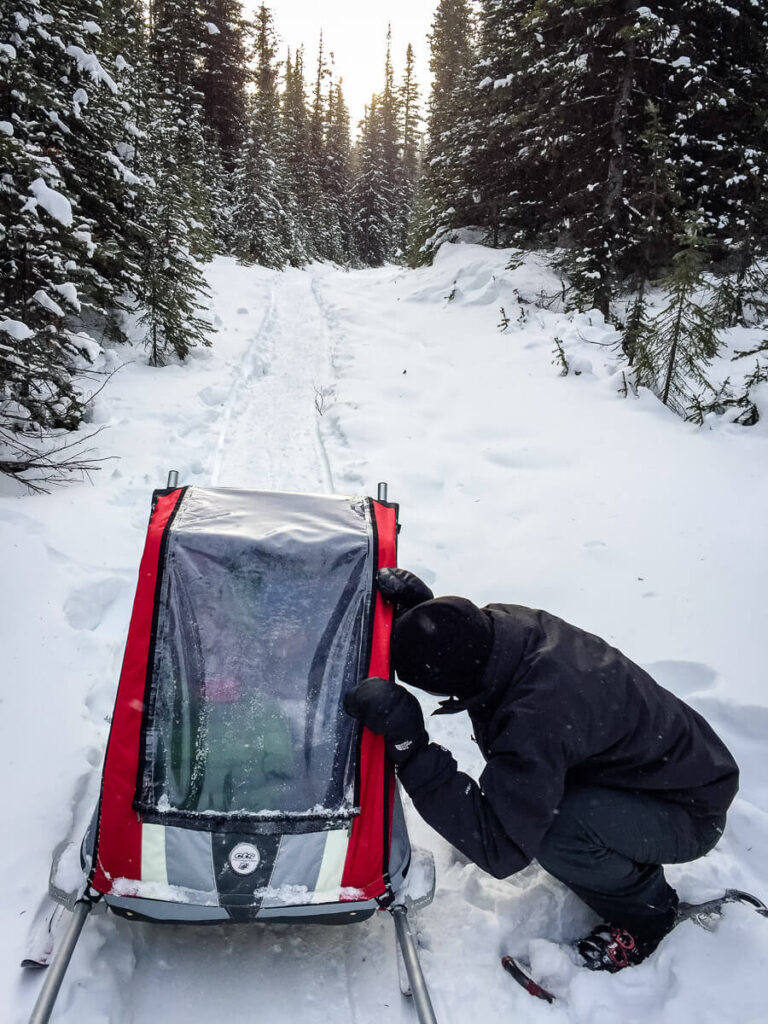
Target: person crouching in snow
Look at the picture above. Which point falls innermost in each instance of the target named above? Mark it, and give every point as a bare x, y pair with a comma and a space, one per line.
592, 768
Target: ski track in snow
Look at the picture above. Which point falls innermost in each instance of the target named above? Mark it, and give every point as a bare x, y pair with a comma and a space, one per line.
269, 436
515, 484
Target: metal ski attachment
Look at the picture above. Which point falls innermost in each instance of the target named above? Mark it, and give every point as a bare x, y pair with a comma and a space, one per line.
55, 975
417, 984
706, 915
511, 966
418, 891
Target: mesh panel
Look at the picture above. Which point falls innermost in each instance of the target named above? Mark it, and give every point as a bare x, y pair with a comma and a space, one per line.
263, 624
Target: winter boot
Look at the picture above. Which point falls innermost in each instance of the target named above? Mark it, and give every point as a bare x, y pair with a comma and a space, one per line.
612, 948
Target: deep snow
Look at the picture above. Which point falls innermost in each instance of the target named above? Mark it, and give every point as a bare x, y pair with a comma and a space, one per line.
515, 484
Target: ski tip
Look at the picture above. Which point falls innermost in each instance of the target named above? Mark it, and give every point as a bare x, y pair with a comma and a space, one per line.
30, 964
532, 987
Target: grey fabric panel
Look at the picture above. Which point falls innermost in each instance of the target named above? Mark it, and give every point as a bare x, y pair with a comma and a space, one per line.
314, 912
161, 910
297, 863
400, 848
189, 859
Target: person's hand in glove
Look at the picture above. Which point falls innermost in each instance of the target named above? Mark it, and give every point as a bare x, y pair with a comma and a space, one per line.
403, 588
392, 712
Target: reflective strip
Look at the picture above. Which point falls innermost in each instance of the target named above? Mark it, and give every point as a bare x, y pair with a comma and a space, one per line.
153, 863
331, 868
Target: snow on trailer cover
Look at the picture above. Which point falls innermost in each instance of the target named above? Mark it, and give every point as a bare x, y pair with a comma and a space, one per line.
235, 788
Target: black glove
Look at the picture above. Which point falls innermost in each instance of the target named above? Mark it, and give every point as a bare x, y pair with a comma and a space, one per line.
392, 712
403, 588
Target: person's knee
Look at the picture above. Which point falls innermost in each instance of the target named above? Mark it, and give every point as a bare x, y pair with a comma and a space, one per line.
569, 843
573, 847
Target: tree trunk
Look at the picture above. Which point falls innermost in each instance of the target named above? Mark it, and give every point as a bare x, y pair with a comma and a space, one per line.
673, 351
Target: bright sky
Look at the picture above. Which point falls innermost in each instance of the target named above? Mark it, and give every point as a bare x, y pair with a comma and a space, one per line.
355, 32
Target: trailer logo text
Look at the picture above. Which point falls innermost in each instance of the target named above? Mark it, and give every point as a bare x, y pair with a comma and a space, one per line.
244, 859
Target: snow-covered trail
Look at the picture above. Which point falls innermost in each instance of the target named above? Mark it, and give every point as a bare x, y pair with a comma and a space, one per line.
515, 485
269, 436
246, 415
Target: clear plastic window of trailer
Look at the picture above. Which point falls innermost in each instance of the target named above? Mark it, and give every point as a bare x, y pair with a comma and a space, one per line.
262, 625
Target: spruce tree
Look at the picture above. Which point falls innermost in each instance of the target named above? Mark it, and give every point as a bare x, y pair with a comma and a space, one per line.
372, 199
676, 347
451, 58
261, 233
294, 153
176, 213
717, 105
173, 292
337, 177
65, 206
322, 223
221, 79
410, 109
391, 153
222, 76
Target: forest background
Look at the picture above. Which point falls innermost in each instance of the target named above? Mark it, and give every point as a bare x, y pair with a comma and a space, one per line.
626, 142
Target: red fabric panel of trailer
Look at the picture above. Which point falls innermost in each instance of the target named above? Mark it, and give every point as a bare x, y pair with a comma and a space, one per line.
367, 858
118, 847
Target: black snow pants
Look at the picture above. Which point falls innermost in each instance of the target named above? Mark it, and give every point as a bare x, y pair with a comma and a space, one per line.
608, 845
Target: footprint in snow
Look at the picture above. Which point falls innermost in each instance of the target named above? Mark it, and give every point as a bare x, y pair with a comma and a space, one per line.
86, 606
682, 677
20, 519
213, 395
521, 458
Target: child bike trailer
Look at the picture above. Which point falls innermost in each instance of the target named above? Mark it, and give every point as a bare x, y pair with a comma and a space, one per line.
235, 790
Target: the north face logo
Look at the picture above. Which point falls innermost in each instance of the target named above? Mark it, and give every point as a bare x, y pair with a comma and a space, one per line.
244, 859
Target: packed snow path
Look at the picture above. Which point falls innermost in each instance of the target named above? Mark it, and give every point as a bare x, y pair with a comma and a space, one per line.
516, 484
269, 434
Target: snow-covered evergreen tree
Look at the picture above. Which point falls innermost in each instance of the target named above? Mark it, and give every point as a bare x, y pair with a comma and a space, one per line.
323, 225
223, 75
221, 79
337, 177
373, 202
451, 58
173, 291
410, 112
261, 231
294, 152
176, 214
66, 205
675, 347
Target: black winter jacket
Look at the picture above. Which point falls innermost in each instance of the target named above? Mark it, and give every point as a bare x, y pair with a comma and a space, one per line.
559, 707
